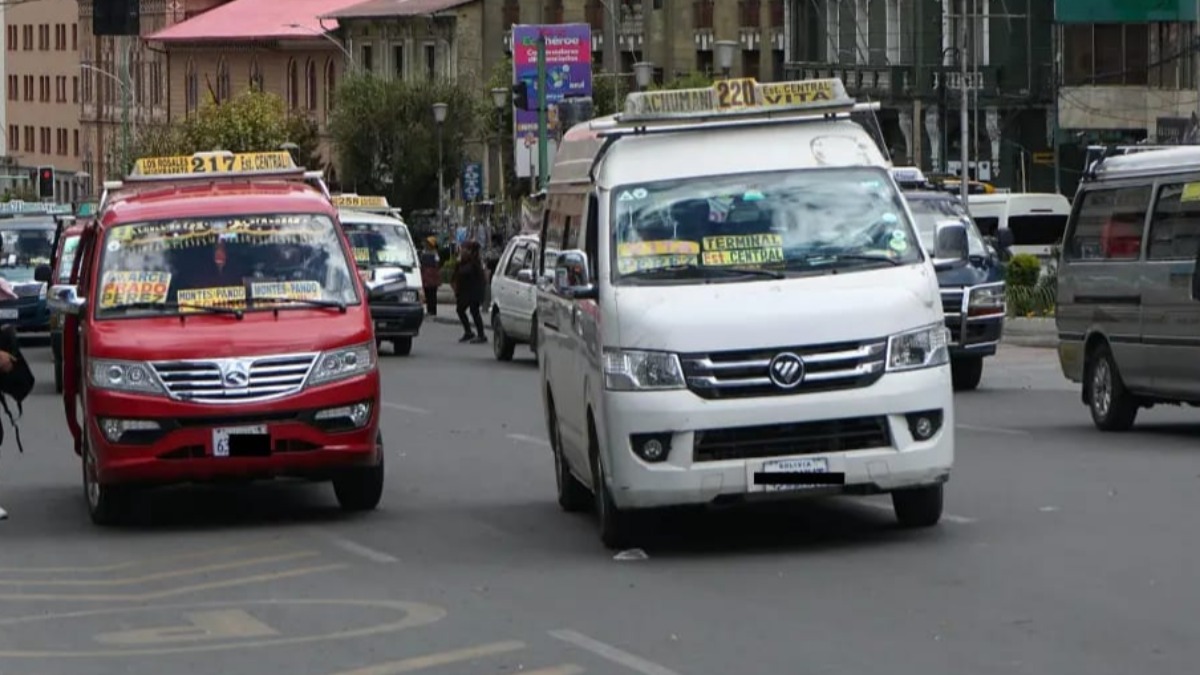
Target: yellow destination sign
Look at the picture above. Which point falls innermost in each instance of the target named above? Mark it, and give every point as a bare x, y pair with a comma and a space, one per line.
233, 297
743, 95
286, 290
214, 163
356, 201
750, 249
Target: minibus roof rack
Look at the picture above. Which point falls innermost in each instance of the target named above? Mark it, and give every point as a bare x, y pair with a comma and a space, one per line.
1138, 164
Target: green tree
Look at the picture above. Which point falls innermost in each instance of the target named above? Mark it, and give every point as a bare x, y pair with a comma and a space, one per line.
387, 141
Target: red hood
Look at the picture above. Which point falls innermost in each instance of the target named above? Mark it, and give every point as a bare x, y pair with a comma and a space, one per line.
223, 336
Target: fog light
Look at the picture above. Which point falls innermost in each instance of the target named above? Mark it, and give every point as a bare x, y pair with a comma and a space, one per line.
114, 429
352, 416
651, 447
924, 425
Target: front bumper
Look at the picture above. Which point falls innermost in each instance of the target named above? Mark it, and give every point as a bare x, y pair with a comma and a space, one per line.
28, 314
737, 436
397, 320
182, 450
970, 335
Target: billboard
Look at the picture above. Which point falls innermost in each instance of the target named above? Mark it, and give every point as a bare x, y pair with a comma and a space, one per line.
1123, 11
568, 73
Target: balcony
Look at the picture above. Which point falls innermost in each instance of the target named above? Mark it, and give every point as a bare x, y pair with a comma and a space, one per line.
702, 14
750, 13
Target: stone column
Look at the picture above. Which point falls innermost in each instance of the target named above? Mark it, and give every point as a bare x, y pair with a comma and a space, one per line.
993, 132
933, 130
906, 128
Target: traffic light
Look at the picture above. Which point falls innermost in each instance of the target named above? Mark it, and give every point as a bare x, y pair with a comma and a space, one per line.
520, 93
45, 182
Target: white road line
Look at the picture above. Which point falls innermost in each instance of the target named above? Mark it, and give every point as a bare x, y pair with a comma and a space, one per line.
948, 517
406, 408
532, 440
992, 430
356, 548
611, 653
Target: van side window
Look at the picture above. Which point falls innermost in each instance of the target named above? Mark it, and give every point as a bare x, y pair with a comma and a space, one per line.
517, 261
1036, 229
553, 233
1175, 225
1110, 224
591, 231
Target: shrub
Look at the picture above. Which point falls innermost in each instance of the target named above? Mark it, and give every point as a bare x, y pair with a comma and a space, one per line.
1023, 270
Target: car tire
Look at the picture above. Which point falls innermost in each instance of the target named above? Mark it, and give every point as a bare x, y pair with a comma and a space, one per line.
918, 507
402, 346
1112, 406
616, 525
502, 345
106, 504
58, 376
573, 496
361, 488
966, 372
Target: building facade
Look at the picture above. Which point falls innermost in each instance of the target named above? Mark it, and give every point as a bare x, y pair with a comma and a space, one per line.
42, 98
905, 55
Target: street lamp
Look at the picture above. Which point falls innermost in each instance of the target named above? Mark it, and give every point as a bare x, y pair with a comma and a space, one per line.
643, 73
500, 100
325, 34
439, 118
723, 50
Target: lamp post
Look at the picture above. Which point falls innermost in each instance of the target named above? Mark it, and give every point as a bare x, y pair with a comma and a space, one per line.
332, 40
643, 74
500, 99
439, 118
723, 51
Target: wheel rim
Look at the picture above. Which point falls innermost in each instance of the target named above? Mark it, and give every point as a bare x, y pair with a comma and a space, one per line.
91, 485
1102, 388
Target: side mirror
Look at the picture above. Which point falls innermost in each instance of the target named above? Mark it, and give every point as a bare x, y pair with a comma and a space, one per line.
573, 276
525, 276
1004, 239
65, 300
42, 273
951, 245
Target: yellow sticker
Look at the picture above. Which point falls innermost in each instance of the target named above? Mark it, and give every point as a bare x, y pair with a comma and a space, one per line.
286, 290
389, 254
743, 241
748, 249
214, 163
233, 297
636, 249
1191, 193
362, 255
631, 265
357, 201
125, 288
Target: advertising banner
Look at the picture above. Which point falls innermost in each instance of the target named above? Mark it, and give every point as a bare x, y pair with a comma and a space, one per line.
568, 73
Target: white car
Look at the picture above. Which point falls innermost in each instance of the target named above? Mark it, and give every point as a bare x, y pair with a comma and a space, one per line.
514, 297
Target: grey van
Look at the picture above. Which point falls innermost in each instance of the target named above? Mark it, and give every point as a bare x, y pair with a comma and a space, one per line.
1128, 306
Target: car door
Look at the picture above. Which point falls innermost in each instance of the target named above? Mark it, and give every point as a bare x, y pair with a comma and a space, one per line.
552, 310
501, 284
524, 295
74, 333
1171, 308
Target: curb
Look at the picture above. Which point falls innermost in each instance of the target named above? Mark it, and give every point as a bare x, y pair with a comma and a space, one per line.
1026, 332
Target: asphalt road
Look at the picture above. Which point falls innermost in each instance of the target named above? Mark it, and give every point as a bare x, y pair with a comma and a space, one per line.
1065, 551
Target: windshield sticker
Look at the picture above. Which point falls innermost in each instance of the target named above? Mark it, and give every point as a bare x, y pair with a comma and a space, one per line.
125, 288
638, 249
1191, 193
898, 242
362, 254
631, 265
286, 290
389, 254
233, 297
271, 229
750, 249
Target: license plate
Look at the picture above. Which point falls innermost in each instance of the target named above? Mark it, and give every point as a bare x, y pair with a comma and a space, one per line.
786, 466
221, 437
9, 313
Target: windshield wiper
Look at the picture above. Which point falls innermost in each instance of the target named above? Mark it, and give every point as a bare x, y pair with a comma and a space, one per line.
312, 302
703, 272
176, 306
833, 258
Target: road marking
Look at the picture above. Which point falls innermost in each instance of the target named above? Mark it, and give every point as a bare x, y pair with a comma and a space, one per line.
611, 653
532, 440
225, 624
173, 592
414, 615
993, 430
565, 669
948, 517
159, 576
207, 553
441, 659
406, 408
357, 548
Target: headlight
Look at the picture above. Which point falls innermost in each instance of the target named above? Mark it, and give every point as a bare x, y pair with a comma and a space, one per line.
410, 295
627, 370
985, 300
920, 348
43, 290
339, 364
133, 376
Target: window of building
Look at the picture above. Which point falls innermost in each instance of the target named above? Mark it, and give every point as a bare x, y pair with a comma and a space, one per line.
29, 83
44, 37
293, 84
191, 88
75, 89
13, 37
30, 141
60, 37
61, 94
430, 60
367, 58
223, 87
310, 84
256, 76
14, 137
1106, 54
1110, 224
75, 142
14, 88
74, 37
44, 88
156, 83
330, 83
45, 145
27, 38
398, 61
60, 142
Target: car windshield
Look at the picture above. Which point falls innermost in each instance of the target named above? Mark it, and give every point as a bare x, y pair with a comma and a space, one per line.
930, 214
760, 226
256, 262
380, 245
67, 261
25, 248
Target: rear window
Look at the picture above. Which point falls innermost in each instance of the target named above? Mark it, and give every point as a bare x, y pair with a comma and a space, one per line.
1039, 229
1109, 224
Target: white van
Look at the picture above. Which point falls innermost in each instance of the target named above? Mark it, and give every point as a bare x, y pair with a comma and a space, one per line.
733, 304
1036, 220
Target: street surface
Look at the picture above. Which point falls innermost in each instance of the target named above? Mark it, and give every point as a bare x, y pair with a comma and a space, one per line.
1064, 551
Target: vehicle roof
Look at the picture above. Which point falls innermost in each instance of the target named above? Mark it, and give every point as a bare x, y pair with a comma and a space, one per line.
150, 202
35, 223
368, 217
1181, 159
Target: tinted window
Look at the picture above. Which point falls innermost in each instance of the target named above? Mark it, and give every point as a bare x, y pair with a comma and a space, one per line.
1038, 229
518, 261
1109, 224
930, 214
67, 261
380, 245
1175, 225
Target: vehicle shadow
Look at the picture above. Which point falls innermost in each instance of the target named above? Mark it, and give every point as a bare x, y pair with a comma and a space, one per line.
233, 506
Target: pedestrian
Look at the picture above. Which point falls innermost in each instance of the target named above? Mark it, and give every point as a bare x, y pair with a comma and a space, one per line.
469, 286
431, 274
7, 360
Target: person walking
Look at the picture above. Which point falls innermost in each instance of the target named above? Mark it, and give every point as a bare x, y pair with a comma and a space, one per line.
431, 275
6, 359
469, 289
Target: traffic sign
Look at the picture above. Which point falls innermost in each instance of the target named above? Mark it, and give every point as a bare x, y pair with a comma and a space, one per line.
1044, 158
472, 181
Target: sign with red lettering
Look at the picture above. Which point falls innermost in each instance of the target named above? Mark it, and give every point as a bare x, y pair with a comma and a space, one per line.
119, 287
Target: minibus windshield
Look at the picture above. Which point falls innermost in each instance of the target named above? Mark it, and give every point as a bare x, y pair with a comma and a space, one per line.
931, 213
380, 245
254, 262
788, 222
67, 261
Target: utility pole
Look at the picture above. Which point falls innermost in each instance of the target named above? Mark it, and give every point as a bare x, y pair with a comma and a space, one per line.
123, 54
919, 114
543, 136
612, 47
963, 117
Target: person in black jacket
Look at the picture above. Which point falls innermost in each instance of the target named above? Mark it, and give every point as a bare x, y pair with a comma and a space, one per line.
470, 282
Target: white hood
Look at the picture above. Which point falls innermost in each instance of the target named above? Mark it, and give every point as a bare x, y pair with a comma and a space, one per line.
759, 314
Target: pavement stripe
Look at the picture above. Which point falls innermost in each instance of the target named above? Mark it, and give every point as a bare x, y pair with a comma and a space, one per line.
565, 669
406, 408
992, 430
159, 576
611, 653
441, 659
948, 517
532, 440
357, 548
206, 553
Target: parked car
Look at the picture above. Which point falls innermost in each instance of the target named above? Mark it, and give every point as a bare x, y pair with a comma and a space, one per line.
514, 297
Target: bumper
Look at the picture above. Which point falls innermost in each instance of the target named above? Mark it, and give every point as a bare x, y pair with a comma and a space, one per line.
397, 320
182, 450
975, 336
756, 430
29, 316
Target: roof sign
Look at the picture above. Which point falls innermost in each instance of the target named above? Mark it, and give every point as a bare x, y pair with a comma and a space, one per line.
214, 163
744, 96
20, 208
352, 201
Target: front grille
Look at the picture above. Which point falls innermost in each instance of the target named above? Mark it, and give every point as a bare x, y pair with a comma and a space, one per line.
952, 307
801, 438
745, 374
234, 380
